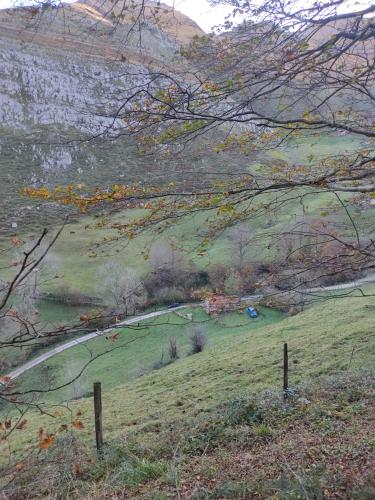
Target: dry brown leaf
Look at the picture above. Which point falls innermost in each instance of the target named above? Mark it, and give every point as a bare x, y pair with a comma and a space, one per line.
113, 337
45, 440
16, 242
21, 425
77, 424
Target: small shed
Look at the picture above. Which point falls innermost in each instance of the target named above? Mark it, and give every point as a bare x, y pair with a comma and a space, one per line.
220, 303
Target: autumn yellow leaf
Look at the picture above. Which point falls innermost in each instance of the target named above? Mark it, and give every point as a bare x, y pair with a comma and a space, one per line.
16, 242
78, 424
45, 440
21, 425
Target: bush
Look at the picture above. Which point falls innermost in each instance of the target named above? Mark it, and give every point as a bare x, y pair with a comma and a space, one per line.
291, 302
198, 340
227, 490
168, 294
218, 275
135, 472
66, 295
172, 278
98, 319
173, 349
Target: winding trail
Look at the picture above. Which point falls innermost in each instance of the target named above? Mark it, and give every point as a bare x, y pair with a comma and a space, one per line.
85, 338
137, 319
343, 286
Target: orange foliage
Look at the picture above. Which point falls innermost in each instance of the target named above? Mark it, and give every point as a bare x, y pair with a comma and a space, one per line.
45, 440
78, 424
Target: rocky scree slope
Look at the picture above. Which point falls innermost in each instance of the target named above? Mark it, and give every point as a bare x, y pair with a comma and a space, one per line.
62, 72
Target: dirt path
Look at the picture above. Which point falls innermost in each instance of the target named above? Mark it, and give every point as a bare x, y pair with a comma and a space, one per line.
343, 286
72, 343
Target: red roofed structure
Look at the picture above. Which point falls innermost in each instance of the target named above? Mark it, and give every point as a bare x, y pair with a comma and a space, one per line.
220, 303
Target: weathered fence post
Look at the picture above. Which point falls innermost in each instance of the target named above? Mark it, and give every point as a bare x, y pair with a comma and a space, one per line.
98, 415
285, 371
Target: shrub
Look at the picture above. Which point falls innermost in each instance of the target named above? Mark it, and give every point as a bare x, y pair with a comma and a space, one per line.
121, 288
135, 472
227, 490
218, 275
243, 412
263, 431
291, 302
68, 295
97, 319
169, 294
173, 348
172, 277
198, 340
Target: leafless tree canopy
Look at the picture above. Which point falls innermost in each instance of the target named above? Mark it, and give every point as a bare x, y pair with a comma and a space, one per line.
121, 288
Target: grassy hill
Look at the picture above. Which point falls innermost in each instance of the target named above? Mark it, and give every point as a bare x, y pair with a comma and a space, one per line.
209, 402
137, 351
73, 248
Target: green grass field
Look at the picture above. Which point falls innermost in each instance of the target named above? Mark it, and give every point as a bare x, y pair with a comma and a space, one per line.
79, 270
136, 351
213, 423
332, 337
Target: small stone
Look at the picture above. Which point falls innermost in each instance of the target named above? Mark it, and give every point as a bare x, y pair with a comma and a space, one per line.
303, 401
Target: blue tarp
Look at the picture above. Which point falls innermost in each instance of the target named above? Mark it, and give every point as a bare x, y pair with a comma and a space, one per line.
251, 311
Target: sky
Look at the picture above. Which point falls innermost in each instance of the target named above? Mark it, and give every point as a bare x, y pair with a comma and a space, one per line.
198, 10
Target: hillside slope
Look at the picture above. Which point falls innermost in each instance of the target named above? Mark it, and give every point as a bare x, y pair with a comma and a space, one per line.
332, 337
214, 425
62, 72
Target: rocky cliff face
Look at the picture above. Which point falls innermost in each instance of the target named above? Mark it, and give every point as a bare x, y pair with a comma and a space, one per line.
62, 71
57, 64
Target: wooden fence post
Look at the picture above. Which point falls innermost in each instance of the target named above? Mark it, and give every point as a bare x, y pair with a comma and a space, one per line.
98, 415
285, 386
